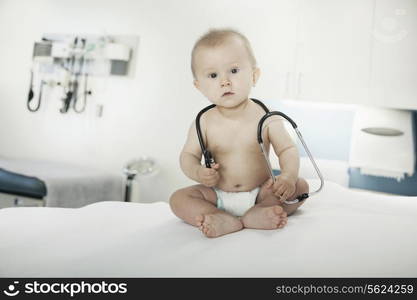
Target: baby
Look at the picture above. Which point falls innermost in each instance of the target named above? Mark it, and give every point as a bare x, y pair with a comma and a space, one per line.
237, 191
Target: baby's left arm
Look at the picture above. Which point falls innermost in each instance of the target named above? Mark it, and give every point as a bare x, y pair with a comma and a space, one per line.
287, 153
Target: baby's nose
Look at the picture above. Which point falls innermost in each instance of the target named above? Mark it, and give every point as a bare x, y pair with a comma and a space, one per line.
225, 82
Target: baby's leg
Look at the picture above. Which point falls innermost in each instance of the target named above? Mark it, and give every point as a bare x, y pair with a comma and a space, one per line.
196, 205
269, 212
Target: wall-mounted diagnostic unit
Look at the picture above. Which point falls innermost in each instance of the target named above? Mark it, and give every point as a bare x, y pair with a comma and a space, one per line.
67, 61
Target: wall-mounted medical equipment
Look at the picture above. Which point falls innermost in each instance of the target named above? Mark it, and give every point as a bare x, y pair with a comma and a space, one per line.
209, 159
68, 62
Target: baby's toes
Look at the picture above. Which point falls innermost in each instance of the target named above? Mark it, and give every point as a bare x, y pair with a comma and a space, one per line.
278, 210
282, 223
211, 232
206, 228
199, 220
275, 220
284, 216
271, 212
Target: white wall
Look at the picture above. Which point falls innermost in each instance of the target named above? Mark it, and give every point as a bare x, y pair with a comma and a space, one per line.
145, 115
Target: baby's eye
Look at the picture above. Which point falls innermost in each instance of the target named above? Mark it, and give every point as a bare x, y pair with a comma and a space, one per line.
235, 70
213, 75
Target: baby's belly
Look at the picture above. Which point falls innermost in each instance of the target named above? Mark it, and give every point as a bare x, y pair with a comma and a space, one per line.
241, 173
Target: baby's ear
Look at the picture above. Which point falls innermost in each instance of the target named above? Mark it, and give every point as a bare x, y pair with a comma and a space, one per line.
196, 84
256, 74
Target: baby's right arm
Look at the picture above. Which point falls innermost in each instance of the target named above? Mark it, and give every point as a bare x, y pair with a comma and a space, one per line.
190, 161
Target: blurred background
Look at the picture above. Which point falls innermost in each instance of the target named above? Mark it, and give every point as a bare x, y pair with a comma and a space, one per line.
345, 71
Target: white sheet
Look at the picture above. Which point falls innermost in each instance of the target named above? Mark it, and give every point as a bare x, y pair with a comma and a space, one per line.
338, 233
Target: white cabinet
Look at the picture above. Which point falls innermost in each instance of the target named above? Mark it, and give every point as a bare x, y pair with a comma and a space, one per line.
277, 59
340, 51
333, 50
319, 50
394, 54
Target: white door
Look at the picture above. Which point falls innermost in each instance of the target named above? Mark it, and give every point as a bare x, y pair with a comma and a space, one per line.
394, 55
277, 59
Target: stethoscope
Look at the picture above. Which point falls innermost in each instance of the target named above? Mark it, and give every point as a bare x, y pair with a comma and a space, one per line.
209, 160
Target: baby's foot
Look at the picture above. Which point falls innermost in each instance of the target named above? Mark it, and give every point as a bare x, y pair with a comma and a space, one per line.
270, 217
214, 225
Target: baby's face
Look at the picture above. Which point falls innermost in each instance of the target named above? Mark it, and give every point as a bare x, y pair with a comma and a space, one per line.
224, 74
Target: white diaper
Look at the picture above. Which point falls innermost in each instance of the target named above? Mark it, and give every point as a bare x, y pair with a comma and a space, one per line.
236, 203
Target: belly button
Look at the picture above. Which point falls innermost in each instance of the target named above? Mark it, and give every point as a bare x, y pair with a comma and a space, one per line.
238, 185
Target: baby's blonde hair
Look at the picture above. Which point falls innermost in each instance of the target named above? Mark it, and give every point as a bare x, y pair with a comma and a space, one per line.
216, 37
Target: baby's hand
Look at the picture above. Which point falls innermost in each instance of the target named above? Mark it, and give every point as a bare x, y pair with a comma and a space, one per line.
208, 176
283, 188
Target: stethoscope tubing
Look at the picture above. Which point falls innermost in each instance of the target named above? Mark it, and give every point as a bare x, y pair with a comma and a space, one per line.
209, 160
300, 137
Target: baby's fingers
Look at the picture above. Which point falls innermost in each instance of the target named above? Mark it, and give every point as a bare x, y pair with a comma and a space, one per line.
286, 195
280, 191
213, 176
215, 166
269, 183
278, 186
209, 172
209, 178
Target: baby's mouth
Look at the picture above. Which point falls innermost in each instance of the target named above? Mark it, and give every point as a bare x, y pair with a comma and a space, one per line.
228, 94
